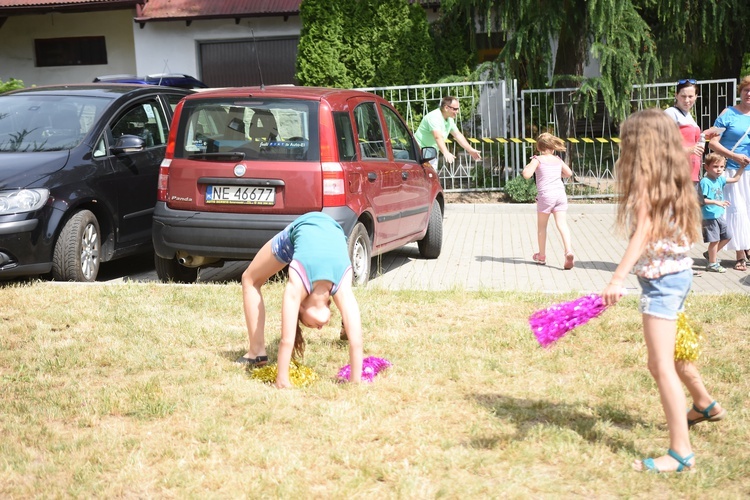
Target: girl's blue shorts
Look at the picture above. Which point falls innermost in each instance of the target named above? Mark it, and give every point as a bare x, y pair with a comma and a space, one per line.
282, 247
664, 297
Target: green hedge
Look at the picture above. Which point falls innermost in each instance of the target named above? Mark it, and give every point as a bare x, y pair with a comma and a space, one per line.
521, 190
376, 43
11, 84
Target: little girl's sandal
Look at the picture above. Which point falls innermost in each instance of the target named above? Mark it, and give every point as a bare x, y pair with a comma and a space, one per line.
706, 415
684, 464
539, 259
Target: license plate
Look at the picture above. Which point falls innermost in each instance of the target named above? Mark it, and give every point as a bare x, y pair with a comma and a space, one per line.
242, 195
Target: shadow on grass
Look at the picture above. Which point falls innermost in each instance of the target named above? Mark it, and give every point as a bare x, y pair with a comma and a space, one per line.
526, 414
272, 348
272, 351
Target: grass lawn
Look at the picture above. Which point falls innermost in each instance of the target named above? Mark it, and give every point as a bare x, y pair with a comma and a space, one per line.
130, 390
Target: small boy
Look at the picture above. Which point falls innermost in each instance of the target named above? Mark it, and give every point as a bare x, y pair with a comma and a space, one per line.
715, 231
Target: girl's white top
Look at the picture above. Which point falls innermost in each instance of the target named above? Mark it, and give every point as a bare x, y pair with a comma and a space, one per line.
666, 256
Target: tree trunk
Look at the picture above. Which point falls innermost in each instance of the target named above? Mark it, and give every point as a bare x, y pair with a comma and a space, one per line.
570, 58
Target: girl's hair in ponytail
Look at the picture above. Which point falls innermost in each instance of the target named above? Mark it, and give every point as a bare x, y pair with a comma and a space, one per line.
298, 350
547, 141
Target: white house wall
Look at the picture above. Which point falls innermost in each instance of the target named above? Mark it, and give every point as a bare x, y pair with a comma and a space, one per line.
172, 47
19, 32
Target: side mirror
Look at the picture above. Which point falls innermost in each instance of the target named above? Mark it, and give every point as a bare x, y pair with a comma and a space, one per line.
128, 144
428, 154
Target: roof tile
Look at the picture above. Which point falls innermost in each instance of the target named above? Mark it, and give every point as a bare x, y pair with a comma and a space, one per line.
55, 3
183, 9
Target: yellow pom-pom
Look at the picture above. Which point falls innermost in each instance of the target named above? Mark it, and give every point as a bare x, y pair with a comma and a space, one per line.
299, 375
687, 344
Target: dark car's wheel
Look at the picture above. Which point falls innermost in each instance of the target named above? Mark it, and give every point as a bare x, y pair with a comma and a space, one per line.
170, 270
77, 250
432, 243
360, 253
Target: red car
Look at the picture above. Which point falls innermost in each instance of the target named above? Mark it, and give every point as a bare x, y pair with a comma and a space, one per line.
242, 163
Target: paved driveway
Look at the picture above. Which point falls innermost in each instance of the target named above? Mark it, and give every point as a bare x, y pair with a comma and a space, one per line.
490, 247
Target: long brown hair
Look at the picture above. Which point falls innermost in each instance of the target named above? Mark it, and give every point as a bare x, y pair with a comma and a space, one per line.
654, 169
298, 350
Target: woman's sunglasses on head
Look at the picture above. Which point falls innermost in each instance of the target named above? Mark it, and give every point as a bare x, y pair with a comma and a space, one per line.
692, 81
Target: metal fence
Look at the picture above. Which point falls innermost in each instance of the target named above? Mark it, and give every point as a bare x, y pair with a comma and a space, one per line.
592, 136
502, 124
488, 118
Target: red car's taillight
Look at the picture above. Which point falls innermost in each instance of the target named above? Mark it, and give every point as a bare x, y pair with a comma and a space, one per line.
172, 139
327, 134
334, 194
161, 184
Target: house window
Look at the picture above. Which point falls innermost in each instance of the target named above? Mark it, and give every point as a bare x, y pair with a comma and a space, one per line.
74, 51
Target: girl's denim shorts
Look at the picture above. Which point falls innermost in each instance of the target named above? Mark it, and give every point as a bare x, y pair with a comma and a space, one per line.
664, 297
282, 246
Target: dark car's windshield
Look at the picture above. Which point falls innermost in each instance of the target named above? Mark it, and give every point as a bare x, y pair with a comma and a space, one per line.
32, 122
269, 130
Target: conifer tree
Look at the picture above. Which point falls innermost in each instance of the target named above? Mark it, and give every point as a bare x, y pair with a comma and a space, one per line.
611, 30
321, 49
635, 41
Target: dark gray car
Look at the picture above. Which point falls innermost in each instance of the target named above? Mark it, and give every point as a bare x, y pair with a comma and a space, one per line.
78, 172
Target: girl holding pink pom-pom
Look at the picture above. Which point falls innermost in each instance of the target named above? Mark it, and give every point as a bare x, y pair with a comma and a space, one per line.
551, 197
660, 211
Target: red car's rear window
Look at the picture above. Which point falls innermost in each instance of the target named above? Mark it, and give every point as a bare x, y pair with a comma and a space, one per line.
259, 129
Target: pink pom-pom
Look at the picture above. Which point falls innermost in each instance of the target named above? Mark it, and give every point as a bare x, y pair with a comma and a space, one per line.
371, 366
554, 322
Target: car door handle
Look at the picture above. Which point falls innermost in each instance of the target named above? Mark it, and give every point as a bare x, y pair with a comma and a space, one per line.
404, 175
372, 176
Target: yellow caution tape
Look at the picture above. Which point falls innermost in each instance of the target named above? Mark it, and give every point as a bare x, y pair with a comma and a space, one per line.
531, 140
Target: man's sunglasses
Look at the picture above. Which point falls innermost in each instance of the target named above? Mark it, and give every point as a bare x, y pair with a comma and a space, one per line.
691, 81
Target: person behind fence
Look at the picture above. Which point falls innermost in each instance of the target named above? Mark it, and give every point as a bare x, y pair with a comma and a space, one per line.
315, 248
551, 197
660, 211
685, 96
437, 125
715, 231
734, 145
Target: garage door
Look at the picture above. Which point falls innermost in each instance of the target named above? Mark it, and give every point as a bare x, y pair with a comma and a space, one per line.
239, 63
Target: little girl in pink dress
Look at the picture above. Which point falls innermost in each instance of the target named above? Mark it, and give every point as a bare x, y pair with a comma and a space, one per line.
551, 197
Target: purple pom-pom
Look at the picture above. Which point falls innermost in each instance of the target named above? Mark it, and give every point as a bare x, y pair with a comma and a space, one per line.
371, 366
554, 322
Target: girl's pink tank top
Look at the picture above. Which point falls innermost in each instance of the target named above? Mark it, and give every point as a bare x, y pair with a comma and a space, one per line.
549, 174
